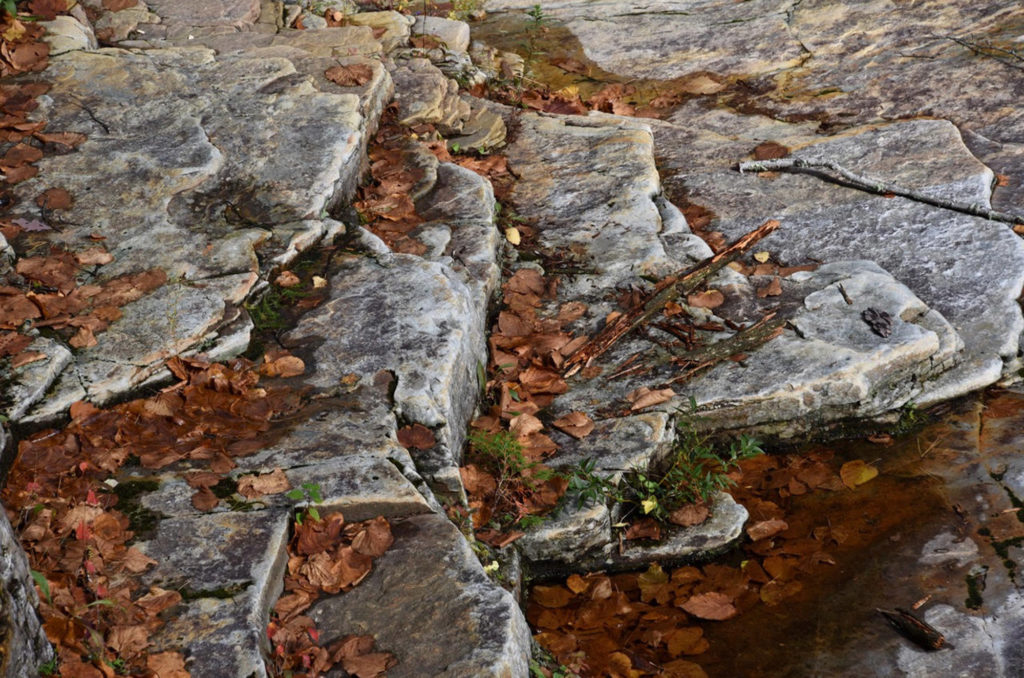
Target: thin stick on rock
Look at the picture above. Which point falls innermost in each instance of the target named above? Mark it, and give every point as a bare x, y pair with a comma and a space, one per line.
668, 289
820, 169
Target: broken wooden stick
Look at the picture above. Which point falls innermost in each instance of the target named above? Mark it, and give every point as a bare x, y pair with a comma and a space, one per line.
915, 629
668, 289
820, 169
744, 341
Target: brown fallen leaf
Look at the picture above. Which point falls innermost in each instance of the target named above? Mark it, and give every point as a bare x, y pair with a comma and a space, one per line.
689, 515
772, 289
417, 437
205, 500
712, 605
54, 199
253, 486
286, 279
352, 75
770, 150
708, 299
576, 424
167, 665
766, 528
645, 397
645, 528
94, 256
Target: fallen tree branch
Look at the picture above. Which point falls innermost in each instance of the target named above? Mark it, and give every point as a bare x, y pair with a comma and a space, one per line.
761, 332
669, 289
872, 185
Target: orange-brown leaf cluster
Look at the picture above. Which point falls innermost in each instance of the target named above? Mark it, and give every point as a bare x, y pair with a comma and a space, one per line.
68, 520
47, 294
385, 203
326, 556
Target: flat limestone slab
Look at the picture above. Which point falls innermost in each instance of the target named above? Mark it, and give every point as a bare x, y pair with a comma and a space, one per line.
968, 269
669, 39
429, 602
191, 161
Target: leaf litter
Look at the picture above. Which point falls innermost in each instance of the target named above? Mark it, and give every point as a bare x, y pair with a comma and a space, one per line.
61, 498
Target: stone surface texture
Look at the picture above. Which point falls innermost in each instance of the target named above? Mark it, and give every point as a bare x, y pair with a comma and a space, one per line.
430, 573
23, 643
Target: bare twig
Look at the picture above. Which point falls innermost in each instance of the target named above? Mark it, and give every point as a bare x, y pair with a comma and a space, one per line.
987, 49
872, 185
668, 289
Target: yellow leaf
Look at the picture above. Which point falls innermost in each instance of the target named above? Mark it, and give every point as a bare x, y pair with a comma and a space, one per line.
512, 235
857, 472
319, 282
649, 504
761, 257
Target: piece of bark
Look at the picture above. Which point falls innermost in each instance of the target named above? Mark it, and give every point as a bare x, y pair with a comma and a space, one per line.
915, 629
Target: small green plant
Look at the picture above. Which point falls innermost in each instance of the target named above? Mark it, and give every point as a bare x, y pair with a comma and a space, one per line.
535, 27
9, 7
309, 493
49, 668
694, 473
501, 455
911, 418
267, 312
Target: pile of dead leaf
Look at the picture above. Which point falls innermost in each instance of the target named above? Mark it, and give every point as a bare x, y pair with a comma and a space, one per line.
44, 292
21, 47
649, 623
384, 203
61, 499
528, 345
326, 555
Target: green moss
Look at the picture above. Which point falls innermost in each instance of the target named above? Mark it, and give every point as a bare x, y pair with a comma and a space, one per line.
220, 593
975, 585
141, 520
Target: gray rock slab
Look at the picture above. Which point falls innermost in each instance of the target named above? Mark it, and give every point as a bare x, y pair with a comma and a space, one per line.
453, 34
28, 384
66, 34
223, 636
475, 627
588, 185
209, 554
568, 534
416, 319
425, 95
968, 269
232, 13
393, 28
667, 40
196, 154
832, 366
617, 445
359, 484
